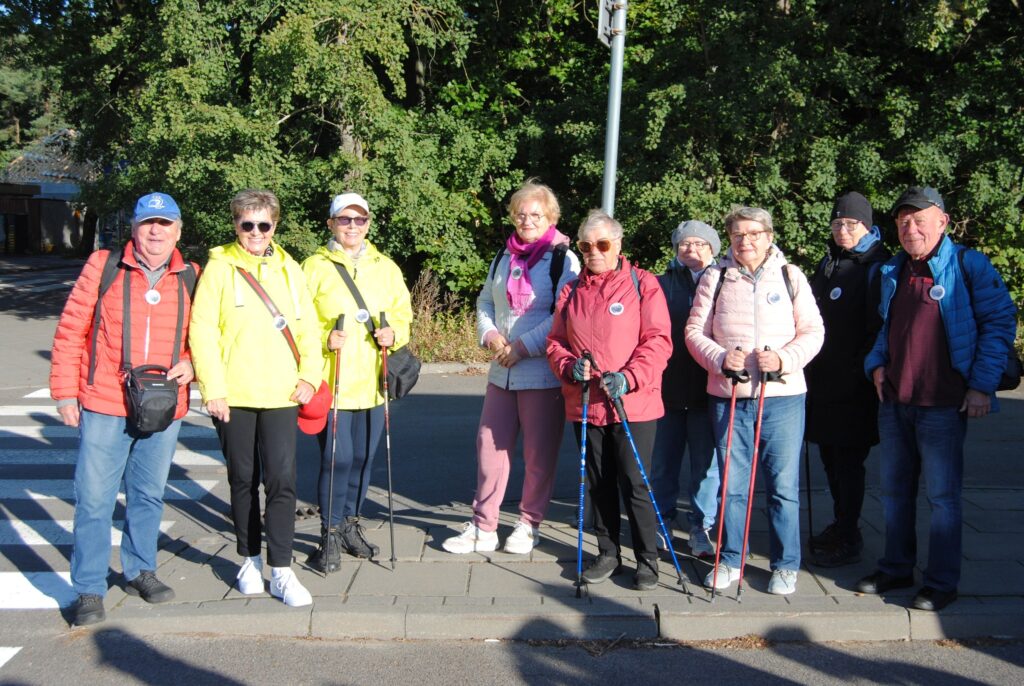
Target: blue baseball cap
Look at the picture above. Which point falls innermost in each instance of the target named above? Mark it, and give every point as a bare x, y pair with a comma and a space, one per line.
156, 206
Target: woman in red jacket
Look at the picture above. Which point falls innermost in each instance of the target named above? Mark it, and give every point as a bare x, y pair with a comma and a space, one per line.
618, 314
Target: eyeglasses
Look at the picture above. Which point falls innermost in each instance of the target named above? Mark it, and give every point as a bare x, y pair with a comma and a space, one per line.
248, 227
533, 217
752, 236
345, 221
694, 245
850, 225
602, 244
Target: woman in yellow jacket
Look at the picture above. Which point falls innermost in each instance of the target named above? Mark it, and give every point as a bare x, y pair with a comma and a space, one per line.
359, 400
254, 368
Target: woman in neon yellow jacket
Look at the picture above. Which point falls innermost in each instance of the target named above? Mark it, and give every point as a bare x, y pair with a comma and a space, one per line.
360, 403
254, 368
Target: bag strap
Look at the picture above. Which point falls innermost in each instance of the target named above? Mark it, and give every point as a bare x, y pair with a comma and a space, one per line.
350, 282
274, 312
126, 322
106, 278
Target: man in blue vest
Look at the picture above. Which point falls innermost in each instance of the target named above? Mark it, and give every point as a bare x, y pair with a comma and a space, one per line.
948, 323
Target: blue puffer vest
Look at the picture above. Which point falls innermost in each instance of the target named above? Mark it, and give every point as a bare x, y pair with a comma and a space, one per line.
978, 339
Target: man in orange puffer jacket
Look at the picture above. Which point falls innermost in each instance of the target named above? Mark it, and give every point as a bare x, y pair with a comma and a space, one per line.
87, 382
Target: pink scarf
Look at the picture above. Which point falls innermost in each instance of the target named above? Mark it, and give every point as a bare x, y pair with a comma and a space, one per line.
518, 288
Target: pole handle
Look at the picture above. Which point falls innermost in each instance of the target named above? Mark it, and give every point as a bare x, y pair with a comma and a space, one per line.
340, 324
383, 321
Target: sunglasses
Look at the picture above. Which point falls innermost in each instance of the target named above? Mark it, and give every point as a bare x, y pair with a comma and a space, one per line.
248, 227
603, 244
345, 221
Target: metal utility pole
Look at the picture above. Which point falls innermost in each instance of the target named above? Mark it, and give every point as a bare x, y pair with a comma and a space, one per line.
611, 30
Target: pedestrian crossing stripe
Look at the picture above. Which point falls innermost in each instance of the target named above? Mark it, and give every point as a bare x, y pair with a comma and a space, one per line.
187, 431
50, 411
64, 489
51, 532
36, 590
7, 653
46, 456
45, 393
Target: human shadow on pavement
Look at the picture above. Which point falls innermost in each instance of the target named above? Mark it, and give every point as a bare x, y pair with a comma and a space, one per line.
135, 658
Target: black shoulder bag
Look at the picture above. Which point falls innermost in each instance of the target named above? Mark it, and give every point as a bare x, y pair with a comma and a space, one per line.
151, 397
403, 366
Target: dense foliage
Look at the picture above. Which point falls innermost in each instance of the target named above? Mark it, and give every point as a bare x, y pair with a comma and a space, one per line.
437, 109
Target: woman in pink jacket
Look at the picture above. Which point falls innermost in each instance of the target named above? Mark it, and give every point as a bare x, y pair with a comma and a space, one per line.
618, 314
757, 313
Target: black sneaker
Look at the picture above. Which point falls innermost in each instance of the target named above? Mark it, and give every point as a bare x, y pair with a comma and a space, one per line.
828, 537
932, 600
149, 588
353, 540
88, 610
879, 582
646, 577
600, 568
327, 558
837, 555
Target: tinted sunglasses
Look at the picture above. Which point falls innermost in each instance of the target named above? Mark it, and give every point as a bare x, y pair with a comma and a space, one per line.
603, 244
264, 227
345, 221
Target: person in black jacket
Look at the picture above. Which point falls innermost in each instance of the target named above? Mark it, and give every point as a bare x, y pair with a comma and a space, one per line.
684, 392
842, 407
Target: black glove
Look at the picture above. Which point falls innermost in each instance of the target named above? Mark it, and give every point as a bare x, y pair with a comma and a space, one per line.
577, 370
615, 384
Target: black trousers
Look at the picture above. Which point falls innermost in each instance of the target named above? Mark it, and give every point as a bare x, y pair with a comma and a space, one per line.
259, 446
844, 468
612, 470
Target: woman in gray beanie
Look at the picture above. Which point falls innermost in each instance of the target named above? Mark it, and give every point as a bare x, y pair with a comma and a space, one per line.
684, 392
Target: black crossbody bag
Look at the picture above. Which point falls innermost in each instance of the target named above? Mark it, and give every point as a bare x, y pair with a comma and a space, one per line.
403, 366
151, 397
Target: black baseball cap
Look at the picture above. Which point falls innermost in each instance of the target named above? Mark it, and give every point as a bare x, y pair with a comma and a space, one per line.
920, 197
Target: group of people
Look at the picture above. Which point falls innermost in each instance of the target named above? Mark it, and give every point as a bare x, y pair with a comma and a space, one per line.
726, 359
263, 336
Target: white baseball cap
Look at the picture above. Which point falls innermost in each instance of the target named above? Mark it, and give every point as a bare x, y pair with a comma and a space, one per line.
344, 200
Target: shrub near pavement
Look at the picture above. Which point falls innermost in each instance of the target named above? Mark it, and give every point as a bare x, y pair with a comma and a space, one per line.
443, 326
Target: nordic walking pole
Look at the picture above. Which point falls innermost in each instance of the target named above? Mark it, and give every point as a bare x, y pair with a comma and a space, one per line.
583, 476
338, 326
807, 491
753, 478
736, 377
617, 403
387, 440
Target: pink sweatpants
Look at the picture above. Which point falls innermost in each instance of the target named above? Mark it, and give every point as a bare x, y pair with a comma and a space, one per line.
541, 416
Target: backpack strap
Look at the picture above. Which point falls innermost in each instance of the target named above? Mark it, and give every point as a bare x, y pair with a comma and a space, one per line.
107, 277
494, 262
789, 283
555, 270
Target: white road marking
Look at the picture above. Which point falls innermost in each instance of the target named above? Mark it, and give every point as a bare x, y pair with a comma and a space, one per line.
36, 590
50, 411
43, 456
39, 532
45, 393
7, 653
187, 431
64, 489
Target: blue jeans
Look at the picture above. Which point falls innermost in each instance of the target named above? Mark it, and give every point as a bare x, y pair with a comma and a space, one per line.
778, 460
677, 430
108, 453
929, 440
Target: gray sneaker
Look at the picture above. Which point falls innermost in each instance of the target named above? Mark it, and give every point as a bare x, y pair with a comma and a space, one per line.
700, 543
783, 582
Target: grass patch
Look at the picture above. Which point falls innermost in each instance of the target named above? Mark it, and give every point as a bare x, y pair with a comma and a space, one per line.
443, 327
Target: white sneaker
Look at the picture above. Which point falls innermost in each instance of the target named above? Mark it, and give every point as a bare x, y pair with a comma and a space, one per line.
250, 576
726, 575
523, 539
286, 586
700, 542
783, 582
472, 539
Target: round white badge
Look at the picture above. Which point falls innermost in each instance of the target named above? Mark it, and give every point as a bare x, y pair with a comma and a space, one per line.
937, 292
362, 316
153, 296
616, 309
280, 322
835, 293
774, 298
517, 273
